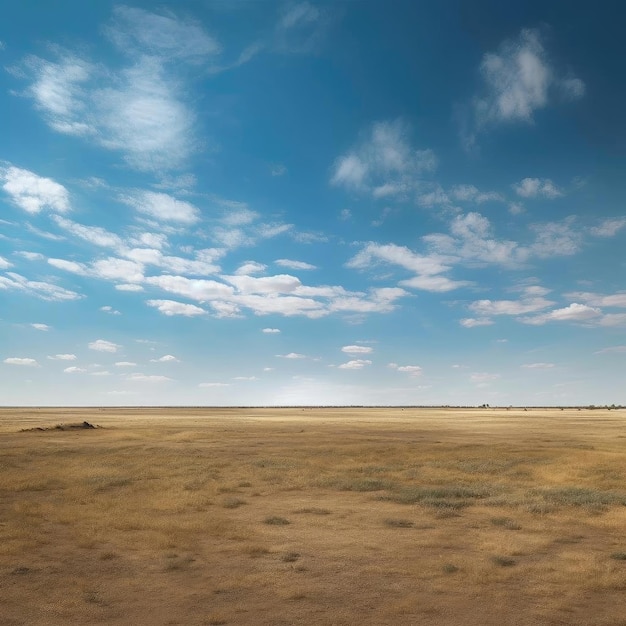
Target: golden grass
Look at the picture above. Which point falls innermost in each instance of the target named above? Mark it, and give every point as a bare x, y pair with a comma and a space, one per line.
313, 516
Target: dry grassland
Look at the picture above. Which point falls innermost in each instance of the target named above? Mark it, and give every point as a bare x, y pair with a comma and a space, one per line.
313, 516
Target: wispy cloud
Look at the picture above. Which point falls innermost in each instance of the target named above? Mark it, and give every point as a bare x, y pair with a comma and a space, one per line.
357, 349
147, 378
429, 269
26, 361
609, 227
292, 355
411, 370
102, 345
172, 307
295, 265
33, 193
384, 164
39, 289
518, 80
166, 358
162, 206
474, 322
574, 312
537, 187
355, 364
137, 109
164, 35
301, 28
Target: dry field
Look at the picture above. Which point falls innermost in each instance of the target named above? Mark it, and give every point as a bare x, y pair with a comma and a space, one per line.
313, 516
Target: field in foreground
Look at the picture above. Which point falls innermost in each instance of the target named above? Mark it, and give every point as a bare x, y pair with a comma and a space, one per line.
313, 516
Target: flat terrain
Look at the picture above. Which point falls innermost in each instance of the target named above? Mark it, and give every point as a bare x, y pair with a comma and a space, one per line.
313, 516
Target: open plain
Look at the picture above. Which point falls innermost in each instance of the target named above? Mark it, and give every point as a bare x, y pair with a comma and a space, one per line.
313, 516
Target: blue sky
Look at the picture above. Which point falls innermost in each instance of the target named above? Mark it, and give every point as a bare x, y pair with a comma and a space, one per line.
240, 203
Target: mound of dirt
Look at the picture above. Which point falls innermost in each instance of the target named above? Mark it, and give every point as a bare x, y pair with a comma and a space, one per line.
76, 426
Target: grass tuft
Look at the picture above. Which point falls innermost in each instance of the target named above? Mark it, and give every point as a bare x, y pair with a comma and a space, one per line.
449, 568
233, 503
399, 523
503, 561
505, 522
275, 520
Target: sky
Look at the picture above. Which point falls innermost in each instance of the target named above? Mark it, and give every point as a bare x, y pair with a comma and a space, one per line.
212, 202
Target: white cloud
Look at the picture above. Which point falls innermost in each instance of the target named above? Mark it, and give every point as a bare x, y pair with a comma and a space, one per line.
43, 290
301, 28
147, 378
612, 350
167, 358
250, 267
357, 349
519, 79
102, 345
195, 289
69, 266
271, 331
412, 370
43, 327
140, 115
575, 312
470, 193
110, 310
292, 355
482, 378
471, 322
538, 366
278, 169
33, 193
596, 299
4, 264
125, 364
162, 206
74, 370
92, 234
609, 227
245, 378
473, 242
384, 164
172, 307
295, 265
427, 267
205, 385
535, 187
113, 268
509, 307
280, 283
136, 31
30, 256
128, 287
381, 300
58, 90
136, 110
355, 364
15, 360
63, 357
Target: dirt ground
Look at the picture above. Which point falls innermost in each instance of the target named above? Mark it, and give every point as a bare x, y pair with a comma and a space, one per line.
313, 516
